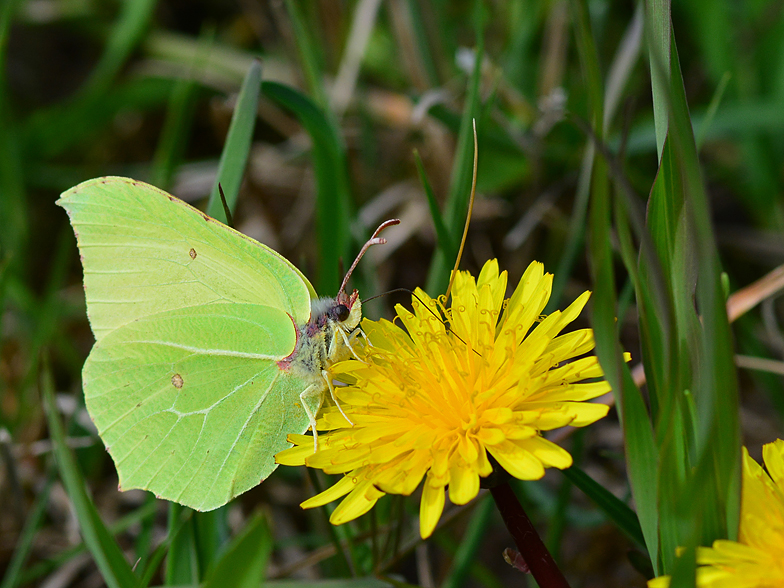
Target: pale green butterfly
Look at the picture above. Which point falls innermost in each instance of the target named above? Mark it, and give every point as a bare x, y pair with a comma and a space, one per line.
209, 345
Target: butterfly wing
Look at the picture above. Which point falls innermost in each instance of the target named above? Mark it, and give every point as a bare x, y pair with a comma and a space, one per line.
145, 251
188, 406
190, 319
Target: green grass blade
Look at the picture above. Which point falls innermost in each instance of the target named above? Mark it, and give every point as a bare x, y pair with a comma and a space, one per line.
419, 25
713, 107
641, 451
39, 570
244, 561
617, 78
658, 32
7, 11
152, 563
344, 583
108, 556
143, 542
445, 243
182, 560
473, 537
180, 111
212, 533
477, 570
126, 33
556, 524
309, 56
669, 360
587, 181
13, 208
333, 199
236, 149
656, 324
669, 275
683, 572
456, 205
615, 509
641, 455
24, 544
714, 31
177, 522
716, 390
54, 130
756, 117
503, 160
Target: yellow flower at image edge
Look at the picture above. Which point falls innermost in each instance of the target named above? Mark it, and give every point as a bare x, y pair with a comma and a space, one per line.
432, 401
756, 560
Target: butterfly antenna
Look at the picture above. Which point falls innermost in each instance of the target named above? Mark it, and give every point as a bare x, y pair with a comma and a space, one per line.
468, 218
422, 302
374, 240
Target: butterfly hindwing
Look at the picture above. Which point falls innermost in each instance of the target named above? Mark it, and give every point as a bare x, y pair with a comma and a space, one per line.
188, 406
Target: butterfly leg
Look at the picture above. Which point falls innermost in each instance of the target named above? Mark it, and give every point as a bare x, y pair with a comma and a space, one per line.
307, 395
357, 333
348, 339
361, 333
331, 386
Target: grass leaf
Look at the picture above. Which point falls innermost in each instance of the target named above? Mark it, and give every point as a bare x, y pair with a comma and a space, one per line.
615, 509
456, 204
310, 58
108, 556
244, 560
236, 149
332, 184
445, 242
24, 544
471, 542
641, 455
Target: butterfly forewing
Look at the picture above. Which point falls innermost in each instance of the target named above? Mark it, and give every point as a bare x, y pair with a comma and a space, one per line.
145, 252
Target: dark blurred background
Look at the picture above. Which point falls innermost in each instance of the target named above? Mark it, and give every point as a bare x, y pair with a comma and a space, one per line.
146, 89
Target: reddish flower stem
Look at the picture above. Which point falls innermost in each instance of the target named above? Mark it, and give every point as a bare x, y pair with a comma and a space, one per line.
542, 565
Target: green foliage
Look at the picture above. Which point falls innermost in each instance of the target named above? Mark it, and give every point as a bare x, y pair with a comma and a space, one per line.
236, 150
329, 167
599, 140
107, 554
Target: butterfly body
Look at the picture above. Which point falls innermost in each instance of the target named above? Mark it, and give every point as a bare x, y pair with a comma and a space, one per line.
326, 338
209, 345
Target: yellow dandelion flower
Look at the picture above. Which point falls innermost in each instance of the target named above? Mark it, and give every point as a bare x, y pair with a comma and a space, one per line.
435, 400
756, 559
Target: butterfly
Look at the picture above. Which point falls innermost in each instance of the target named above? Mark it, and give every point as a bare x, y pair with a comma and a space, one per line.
210, 347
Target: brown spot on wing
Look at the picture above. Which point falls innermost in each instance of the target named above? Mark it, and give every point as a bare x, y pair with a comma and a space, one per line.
192, 253
177, 381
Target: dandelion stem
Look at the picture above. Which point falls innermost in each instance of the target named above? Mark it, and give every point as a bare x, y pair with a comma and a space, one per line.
542, 565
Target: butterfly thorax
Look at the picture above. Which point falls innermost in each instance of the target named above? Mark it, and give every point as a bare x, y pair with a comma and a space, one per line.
326, 338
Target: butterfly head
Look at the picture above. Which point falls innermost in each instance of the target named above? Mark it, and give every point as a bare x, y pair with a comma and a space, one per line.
344, 312
347, 310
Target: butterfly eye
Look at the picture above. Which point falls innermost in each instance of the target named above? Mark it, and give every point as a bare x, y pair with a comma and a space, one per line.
341, 312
